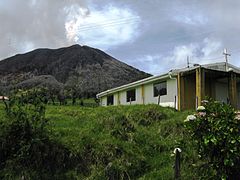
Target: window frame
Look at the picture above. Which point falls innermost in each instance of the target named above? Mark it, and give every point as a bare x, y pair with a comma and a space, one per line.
159, 91
127, 94
112, 100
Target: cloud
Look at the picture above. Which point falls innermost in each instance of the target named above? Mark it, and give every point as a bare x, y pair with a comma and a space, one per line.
104, 28
29, 24
211, 48
151, 63
198, 53
175, 29
190, 18
154, 36
180, 54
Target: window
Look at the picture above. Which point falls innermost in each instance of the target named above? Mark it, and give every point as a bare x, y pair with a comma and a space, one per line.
160, 88
131, 95
110, 100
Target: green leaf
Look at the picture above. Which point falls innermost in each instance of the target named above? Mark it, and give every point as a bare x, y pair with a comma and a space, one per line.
206, 141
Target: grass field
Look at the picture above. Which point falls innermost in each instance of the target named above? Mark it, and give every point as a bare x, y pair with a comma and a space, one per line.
122, 142
146, 133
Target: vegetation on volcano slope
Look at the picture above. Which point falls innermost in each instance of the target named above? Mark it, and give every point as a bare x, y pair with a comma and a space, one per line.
118, 142
85, 70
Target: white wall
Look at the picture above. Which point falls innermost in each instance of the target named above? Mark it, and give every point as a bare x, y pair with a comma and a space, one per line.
166, 100
123, 97
115, 99
103, 101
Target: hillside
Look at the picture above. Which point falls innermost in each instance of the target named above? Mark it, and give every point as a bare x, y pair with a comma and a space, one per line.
81, 67
124, 142
135, 141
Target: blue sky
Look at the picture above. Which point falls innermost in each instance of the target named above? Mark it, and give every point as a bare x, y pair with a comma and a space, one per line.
152, 35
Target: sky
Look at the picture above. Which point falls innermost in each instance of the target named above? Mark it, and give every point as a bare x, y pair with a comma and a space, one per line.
151, 35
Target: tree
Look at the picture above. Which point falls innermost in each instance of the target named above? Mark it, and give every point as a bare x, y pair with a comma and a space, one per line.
61, 97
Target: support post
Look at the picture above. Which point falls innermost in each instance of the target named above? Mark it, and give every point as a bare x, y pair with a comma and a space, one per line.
232, 89
200, 85
180, 89
177, 152
196, 105
143, 97
159, 98
119, 102
175, 102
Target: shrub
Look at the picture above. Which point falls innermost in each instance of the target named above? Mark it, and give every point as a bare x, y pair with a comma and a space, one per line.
215, 129
25, 145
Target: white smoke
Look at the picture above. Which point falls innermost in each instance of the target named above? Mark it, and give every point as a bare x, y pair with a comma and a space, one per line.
29, 24
103, 28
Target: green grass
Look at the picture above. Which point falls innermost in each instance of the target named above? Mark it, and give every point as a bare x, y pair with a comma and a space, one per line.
2, 111
121, 142
147, 135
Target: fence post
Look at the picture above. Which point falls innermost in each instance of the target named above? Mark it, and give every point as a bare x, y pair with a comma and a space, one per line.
159, 99
177, 152
196, 102
175, 102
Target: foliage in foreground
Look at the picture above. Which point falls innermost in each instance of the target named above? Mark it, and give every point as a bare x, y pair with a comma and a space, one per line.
125, 142
215, 129
26, 148
121, 142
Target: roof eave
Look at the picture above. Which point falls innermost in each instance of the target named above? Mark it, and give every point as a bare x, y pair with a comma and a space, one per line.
134, 84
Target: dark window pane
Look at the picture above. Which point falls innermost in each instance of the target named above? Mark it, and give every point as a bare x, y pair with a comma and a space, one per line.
110, 100
160, 89
131, 95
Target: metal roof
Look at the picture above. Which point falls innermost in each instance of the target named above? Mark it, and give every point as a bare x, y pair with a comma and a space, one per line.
220, 66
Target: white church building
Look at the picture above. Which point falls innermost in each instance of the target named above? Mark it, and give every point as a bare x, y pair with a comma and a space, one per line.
180, 88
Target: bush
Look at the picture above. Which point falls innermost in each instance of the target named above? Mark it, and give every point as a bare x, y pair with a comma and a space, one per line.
25, 145
215, 129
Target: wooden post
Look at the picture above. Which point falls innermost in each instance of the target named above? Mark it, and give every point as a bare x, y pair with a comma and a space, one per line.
159, 96
142, 89
177, 152
232, 89
181, 93
200, 85
119, 102
196, 103
175, 102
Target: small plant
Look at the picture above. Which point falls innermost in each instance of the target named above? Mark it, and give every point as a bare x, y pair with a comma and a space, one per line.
215, 129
